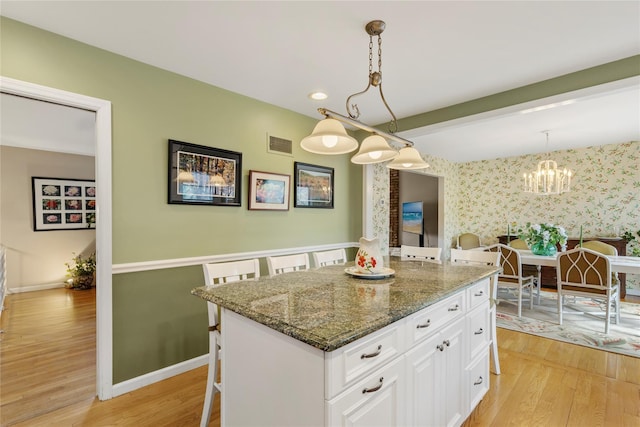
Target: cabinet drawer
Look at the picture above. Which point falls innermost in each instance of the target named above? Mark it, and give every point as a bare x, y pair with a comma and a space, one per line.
477, 380
479, 293
478, 330
350, 363
378, 399
423, 323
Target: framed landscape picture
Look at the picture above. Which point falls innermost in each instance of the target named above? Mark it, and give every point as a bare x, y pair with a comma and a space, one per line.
313, 186
201, 175
268, 191
63, 204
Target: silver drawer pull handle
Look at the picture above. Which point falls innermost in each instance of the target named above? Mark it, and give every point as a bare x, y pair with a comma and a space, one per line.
366, 356
479, 332
456, 308
440, 347
479, 294
478, 381
374, 389
446, 342
424, 325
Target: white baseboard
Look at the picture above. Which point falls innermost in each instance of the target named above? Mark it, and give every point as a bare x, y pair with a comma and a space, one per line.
159, 375
33, 288
634, 292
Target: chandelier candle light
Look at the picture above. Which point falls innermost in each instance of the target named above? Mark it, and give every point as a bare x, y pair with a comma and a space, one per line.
330, 137
548, 179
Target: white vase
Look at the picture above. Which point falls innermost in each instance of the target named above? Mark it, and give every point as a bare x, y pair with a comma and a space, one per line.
369, 257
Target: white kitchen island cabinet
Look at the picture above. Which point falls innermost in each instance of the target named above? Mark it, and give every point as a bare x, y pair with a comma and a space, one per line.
321, 348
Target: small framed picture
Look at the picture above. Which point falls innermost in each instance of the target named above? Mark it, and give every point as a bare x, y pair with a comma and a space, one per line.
313, 186
200, 175
268, 191
63, 204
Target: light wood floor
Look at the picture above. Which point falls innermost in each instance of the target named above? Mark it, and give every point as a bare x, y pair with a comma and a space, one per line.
47, 377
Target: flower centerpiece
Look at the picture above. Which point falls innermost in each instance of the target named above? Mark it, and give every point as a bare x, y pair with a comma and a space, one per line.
82, 272
543, 238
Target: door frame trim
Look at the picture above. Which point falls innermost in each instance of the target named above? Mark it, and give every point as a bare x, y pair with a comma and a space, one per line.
103, 141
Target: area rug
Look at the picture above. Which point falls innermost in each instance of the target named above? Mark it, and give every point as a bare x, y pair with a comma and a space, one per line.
581, 329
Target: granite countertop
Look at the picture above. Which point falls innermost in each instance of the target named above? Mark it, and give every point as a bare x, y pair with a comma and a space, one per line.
327, 308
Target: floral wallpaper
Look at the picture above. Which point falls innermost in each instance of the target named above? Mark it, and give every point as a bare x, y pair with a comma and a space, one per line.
483, 197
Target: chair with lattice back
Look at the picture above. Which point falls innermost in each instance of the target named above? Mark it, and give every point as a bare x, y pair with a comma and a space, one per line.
468, 241
586, 273
512, 278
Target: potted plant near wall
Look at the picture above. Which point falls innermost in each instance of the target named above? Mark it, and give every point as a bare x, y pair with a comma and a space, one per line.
81, 272
633, 242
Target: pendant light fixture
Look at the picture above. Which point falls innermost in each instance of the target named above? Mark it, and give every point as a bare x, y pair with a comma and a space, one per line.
548, 178
330, 137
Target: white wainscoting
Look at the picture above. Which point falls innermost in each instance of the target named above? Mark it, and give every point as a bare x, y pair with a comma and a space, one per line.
182, 367
185, 262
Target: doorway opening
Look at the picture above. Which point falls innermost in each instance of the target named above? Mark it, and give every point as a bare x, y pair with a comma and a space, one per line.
102, 109
410, 190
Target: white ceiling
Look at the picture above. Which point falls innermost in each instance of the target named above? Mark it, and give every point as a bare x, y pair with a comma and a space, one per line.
57, 127
435, 54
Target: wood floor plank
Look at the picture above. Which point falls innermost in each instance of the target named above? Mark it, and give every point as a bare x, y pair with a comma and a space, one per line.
543, 382
47, 352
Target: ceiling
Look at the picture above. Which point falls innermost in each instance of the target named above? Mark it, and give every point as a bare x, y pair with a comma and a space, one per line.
435, 54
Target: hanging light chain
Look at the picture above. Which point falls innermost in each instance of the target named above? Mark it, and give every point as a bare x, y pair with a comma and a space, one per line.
371, 55
374, 28
380, 55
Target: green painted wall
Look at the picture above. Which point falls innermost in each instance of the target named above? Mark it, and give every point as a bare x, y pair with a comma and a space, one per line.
157, 322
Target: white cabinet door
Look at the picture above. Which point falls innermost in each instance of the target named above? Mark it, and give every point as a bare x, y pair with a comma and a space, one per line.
423, 379
377, 400
478, 380
434, 379
454, 361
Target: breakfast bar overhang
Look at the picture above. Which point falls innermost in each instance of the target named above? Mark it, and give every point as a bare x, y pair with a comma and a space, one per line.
321, 347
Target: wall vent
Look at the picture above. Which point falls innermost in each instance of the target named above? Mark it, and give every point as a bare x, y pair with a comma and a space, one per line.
279, 145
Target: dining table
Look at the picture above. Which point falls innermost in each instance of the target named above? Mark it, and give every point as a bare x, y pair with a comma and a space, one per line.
619, 264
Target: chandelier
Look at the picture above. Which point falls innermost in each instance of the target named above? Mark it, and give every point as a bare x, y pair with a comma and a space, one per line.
330, 137
548, 179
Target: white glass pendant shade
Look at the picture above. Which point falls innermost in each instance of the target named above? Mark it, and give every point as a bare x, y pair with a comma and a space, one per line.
408, 158
329, 137
374, 149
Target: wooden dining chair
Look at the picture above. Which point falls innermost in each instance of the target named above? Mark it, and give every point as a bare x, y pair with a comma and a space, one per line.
585, 273
468, 241
528, 270
332, 257
518, 244
512, 278
460, 256
216, 274
417, 253
287, 263
603, 248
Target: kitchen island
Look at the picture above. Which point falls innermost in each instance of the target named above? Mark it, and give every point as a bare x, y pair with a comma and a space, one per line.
322, 347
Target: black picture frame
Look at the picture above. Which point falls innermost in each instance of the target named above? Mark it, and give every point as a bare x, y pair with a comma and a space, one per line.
313, 186
63, 203
201, 175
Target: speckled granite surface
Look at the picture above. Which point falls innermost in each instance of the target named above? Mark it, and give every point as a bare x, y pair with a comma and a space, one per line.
327, 308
